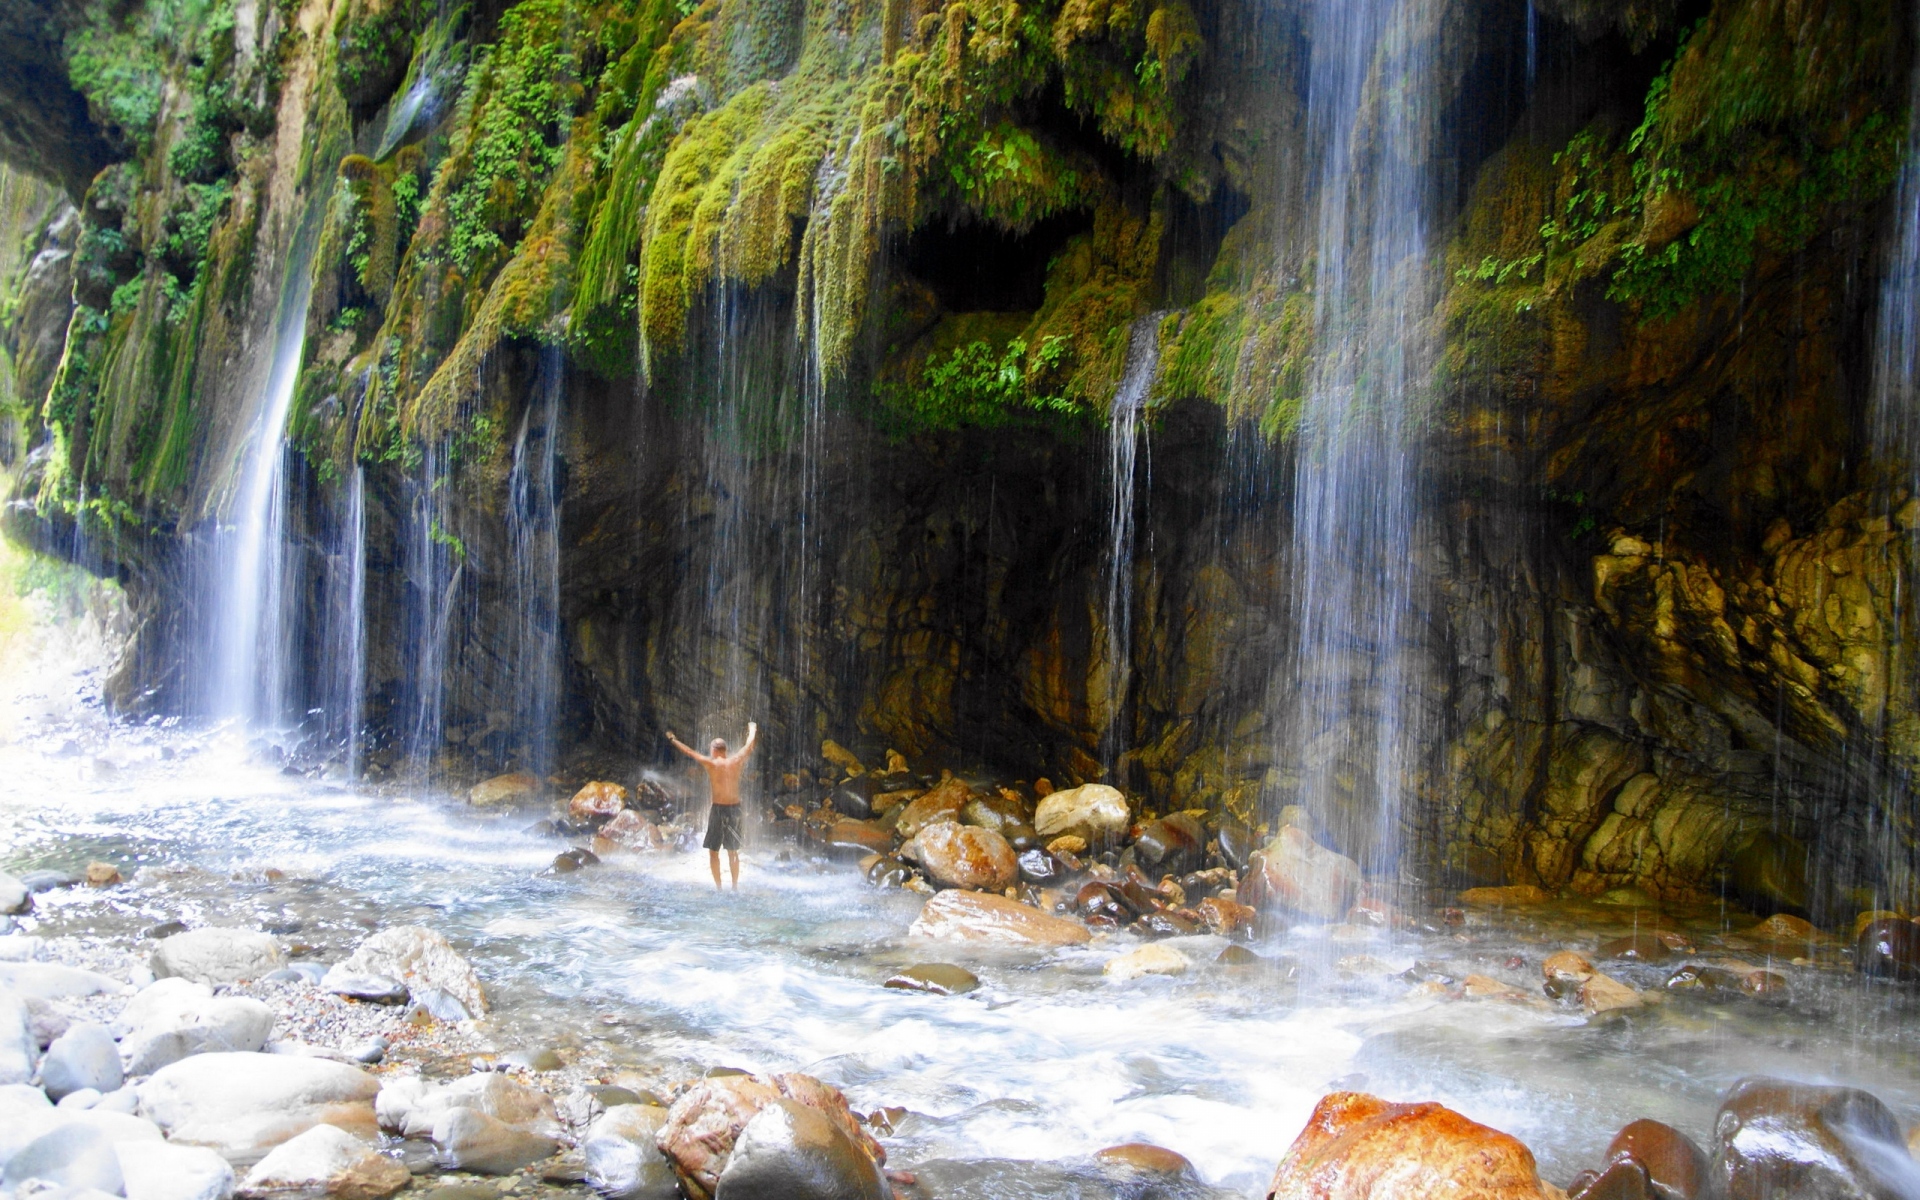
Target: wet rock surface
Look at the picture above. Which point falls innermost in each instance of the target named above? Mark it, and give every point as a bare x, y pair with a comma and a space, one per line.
1777, 1138
1358, 1147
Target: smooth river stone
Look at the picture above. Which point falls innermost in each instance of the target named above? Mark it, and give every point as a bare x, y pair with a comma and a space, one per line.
328, 1162
792, 1152
51, 981
84, 1057
942, 979
623, 1155
217, 956
244, 1105
984, 917
1360, 1147
159, 1171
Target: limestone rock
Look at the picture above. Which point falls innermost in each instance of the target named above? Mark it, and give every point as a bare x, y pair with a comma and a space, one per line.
964, 856
420, 958
163, 999
623, 1155
1305, 877
515, 787
984, 917
14, 896
411, 1107
156, 1170
1774, 1138
1359, 1147
243, 1105
217, 956
707, 1119
1150, 959
791, 1152
328, 1163
196, 1026
1092, 811
470, 1140
83, 1057
18, 1047
942, 803
597, 801
72, 1156
51, 981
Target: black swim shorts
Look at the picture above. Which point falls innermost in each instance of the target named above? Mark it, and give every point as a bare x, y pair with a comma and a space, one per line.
723, 827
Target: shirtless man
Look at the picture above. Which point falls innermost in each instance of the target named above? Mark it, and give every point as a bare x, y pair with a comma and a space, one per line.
723, 780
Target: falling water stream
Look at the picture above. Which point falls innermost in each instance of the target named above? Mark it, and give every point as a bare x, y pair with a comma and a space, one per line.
1124, 436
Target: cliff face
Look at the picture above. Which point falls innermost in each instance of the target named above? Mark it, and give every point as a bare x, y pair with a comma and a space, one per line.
754, 358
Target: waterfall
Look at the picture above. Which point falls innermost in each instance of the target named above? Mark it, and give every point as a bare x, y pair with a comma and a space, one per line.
436, 565
250, 630
1355, 507
1896, 345
343, 640
1123, 450
533, 540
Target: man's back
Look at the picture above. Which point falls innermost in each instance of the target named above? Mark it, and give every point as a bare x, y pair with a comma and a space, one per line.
723, 777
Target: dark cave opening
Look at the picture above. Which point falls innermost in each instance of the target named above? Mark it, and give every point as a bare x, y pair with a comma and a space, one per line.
975, 267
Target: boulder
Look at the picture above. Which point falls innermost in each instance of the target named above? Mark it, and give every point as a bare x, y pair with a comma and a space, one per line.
705, 1121
597, 802
82, 1057
18, 1046
1175, 844
964, 856
1225, 916
791, 1152
1623, 1179
71, 1156
51, 981
1516, 895
985, 917
22, 1128
196, 1026
470, 1140
420, 958
103, 874
1641, 946
412, 1107
217, 956
515, 787
1775, 1138
1668, 1156
1143, 1158
1604, 994
22, 1097
1092, 811
997, 811
1360, 1147
325, 1162
158, 1171
1305, 877
942, 979
14, 896
1150, 959
849, 838
370, 989
163, 999
1566, 971
942, 803
628, 832
244, 1105
623, 1155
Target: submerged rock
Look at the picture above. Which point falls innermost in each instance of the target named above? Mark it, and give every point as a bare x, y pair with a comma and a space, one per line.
1359, 1147
1517, 895
964, 856
984, 917
324, 1162
628, 831
1142, 1158
1150, 959
515, 787
470, 1140
942, 979
791, 1152
1092, 811
1775, 1138
216, 956
420, 958
1604, 994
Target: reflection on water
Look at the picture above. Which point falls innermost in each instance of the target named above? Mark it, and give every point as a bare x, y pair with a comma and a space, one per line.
643, 965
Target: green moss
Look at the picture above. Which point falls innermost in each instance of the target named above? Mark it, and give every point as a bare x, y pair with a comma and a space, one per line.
980, 385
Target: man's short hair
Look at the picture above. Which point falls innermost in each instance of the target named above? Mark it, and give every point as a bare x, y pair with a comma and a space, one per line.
718, 746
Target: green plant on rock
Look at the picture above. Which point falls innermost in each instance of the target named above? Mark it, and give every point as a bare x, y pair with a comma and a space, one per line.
979, 385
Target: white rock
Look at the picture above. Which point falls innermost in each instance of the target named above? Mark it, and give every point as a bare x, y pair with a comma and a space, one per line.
473, 1141
159, 1000
126, 1100
72, 1156
85, 1097
1092, 808
14, 896
1150, 959
215, 956
237, 1023
17, 1046
411, 1107
21, 1128
18, 947
420, 958
51, 981
244, 1105
158, 1171
82, 1058
325, 1162
623, 1155
22, 1097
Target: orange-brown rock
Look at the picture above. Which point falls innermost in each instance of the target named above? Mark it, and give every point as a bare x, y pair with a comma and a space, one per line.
1307, 878
985, 917
626, 833
964, 856
1144, 1158
1512, 896
704, 1122
1225, 915
1567, 968
943, 802
598, 801
1360, 1147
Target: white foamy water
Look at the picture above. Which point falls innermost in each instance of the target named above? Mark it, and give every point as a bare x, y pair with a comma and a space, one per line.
1046, 1063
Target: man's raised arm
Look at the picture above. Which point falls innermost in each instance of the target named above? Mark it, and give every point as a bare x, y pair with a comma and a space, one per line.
687, 750
753, 735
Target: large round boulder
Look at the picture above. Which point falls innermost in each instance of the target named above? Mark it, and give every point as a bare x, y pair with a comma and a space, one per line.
1306, 878
217, 956
83, 1057
243, 1105
964, 856
421, 959
324, 1162
707, 1119
1360, 1147
623, 1156
1775, 1138
942, 803
1092, 811
597, 802
792, 1152
985, 917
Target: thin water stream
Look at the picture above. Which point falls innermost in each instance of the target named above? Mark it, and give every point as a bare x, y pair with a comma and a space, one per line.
640, 966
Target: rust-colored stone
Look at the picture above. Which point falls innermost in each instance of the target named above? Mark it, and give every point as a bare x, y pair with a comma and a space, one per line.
1360, 1147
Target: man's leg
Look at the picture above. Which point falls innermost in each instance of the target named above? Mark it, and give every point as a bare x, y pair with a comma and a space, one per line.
713, 860
733, 860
